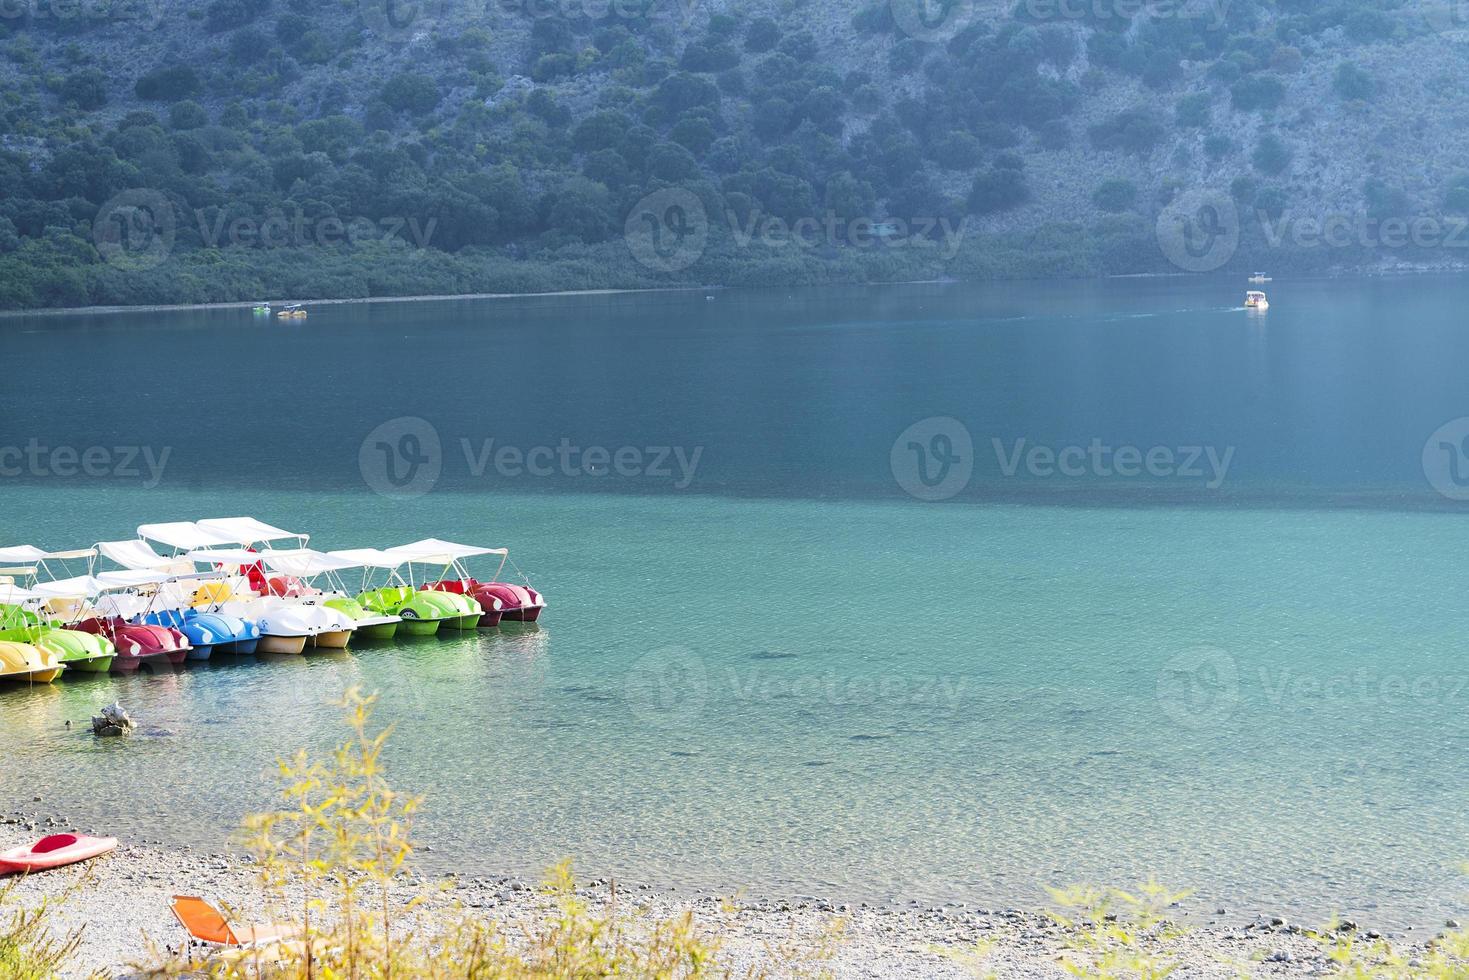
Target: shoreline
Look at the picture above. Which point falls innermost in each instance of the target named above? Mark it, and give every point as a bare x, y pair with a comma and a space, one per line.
348, 301
1366, 272
122, 909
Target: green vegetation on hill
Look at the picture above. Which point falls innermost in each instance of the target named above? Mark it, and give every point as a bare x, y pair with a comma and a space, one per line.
240, 149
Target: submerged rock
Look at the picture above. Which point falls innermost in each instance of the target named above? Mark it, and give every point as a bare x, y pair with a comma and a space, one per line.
113, 721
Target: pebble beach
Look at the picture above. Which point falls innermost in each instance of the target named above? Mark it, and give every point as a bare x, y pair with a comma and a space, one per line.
120, 903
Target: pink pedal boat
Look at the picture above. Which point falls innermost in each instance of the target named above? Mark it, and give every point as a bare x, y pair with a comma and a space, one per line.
105, 603
500, 600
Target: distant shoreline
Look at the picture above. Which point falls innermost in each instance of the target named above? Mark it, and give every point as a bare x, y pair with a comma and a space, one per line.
246, 305
1365, 272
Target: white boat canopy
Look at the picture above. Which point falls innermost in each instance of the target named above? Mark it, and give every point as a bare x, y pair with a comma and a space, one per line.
300, 562
247, 530
183, 535
12, 594
369, 558
26, 554
226, 556
305, 562
87, 586
23, 554
135, 553
432, 551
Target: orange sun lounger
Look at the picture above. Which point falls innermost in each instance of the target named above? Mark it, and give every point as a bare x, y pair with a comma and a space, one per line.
204, 923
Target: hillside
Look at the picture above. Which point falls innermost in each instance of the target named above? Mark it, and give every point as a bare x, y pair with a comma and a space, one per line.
159, 151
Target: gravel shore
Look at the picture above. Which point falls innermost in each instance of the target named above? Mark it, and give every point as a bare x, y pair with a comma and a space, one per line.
121, 905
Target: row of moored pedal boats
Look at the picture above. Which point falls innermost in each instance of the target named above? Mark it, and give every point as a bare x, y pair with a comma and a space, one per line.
189, 589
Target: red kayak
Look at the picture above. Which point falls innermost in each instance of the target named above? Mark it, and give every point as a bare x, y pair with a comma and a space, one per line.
53, 852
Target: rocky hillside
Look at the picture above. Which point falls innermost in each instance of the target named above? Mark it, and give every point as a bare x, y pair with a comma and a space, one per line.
213, 150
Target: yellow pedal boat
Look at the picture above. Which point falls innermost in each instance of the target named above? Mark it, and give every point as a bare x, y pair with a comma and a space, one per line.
28, 664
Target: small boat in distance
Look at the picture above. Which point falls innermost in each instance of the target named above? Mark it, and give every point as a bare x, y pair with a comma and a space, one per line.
261, 309
292, 312
1255, 300
1259, 277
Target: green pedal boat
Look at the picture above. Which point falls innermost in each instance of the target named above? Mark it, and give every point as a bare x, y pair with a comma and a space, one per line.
85, 652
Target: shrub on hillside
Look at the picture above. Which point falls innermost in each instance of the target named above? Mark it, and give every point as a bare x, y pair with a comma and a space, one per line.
1131, 131
1193, 110
410, 92
1256, 92
998, 189
170, 83
86, 88
1352, 83
1115, 195
1271, 155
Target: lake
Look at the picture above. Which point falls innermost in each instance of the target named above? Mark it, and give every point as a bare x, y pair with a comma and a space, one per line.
942, 592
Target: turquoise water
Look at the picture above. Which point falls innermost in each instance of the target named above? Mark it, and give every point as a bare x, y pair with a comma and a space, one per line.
791, 676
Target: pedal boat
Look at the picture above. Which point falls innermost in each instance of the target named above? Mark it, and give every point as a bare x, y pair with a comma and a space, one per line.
183, 602
313, 578
78, 651
103, 605
499, 600
26, 663
209, 632
287, 611
420, 613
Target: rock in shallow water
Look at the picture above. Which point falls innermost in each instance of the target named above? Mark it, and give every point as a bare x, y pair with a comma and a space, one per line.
113, 721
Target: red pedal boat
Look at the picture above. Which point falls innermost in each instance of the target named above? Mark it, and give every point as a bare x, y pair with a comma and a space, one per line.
500, 600
54, 852
137, 643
